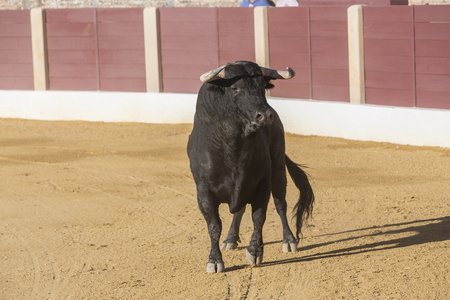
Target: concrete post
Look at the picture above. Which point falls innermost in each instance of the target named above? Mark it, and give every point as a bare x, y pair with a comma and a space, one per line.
261, 36
356, 54
39, 45
153, 69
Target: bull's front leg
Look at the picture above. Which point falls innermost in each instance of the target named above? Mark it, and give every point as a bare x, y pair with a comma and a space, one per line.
210, 211
255, 249
232, 239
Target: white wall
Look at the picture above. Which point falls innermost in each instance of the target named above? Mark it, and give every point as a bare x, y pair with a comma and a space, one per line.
413, 126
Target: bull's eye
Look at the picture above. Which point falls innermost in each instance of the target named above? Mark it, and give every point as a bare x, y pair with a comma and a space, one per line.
235, 89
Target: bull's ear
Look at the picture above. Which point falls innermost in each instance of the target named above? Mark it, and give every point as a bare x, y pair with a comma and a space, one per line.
269, 84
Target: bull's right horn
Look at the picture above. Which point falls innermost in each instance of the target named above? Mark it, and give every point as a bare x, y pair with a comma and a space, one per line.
275, 74
215, 74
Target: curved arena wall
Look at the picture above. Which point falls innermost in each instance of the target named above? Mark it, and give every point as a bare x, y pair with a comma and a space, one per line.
400, 125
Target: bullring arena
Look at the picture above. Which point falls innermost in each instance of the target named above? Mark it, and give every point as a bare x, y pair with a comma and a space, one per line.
108, 211
97, 198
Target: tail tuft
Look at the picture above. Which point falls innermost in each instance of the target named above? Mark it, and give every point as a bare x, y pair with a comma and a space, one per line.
304, 207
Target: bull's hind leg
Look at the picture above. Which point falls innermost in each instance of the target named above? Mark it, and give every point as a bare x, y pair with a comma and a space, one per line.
232, 239
279, 183
210, 211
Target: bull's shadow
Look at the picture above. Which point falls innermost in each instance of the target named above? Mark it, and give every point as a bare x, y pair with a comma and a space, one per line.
425, 231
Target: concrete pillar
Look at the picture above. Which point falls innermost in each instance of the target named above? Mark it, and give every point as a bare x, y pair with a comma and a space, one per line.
153, 69
356, 54
261, 36
39, 49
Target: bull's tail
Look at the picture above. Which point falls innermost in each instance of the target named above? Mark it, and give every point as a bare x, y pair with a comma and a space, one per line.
304, 207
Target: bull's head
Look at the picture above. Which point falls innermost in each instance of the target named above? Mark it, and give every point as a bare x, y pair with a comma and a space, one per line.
243, 84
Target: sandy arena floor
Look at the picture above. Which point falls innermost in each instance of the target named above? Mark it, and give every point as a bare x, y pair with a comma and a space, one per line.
108, 211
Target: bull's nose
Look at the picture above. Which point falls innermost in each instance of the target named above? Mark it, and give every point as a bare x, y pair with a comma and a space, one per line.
264, 118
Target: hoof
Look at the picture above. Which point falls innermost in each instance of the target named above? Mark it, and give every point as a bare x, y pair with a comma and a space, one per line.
228, 246
253, 260
289, 247
215, 267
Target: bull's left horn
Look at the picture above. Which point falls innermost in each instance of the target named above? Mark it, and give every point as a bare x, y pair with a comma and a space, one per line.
275, 74
215, 74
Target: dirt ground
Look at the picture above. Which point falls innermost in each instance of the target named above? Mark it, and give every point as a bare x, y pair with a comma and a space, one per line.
108, 211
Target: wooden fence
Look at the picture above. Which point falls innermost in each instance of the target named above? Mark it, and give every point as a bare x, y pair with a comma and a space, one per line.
406, 57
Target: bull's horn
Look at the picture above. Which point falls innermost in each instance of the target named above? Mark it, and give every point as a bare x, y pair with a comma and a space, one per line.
274, 74
215, 74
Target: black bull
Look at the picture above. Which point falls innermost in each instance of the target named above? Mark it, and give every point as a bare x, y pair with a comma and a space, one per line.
237, 156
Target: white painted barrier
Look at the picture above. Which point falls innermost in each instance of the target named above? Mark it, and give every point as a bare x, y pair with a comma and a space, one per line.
411, 126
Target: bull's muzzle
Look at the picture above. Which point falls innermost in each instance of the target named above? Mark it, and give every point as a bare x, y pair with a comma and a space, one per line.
264, 118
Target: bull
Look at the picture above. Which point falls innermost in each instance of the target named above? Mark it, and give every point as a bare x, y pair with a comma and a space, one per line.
237, 156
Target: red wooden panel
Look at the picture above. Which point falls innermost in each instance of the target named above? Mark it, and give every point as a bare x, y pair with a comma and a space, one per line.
190, 57
432, 13
188, 29
280, 60
72, 43
388, 30
236, 35
14, 16
330, 77
73, 84
121, 56
188, 22
72, 70
131, 42
290, 28
16, 70
390, 97
329, 61
283, 14
336, 45
231, 14
78, 15
433, 82
121, 29
331, 93
383, 47
286, 44
19, 29
120, 14
397, 64
384, 14
328, 13
122, 71
191, 42
231, 55
238, 44
291, 89
182, 86
433, 48
331, 29
16, 83
289, 46
239, 28
433, 99
70, 29
18, 43
389, 80
123, 84
433, 65
433, 31
16, 56
72, 57
186, 72
182, 14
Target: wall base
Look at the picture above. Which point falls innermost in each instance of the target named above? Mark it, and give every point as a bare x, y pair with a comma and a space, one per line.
408, 126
